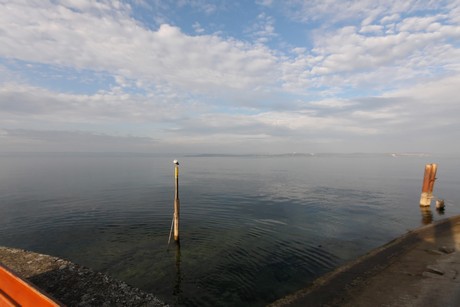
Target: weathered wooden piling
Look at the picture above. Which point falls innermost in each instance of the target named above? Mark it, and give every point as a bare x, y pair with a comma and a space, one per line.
428, 184
176, 202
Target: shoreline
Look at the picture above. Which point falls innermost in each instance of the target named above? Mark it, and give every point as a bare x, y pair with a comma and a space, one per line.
72, 284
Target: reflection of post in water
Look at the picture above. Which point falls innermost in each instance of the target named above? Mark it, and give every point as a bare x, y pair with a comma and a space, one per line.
177, 287
427, 215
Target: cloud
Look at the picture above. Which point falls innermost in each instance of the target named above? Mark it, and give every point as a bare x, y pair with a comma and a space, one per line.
62, 137
71, 141
371, 29
26, 106
336, 104
103, 37
420, 47
265, 2
263, 30
198, 28
348, 50
336, 11
365, 75
427, 113
208, 7
390, 18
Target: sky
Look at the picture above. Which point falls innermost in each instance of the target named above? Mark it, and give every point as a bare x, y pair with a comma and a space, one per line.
199, 76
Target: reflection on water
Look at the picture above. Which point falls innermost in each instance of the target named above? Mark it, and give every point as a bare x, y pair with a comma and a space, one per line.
253, 229
177, 293
427, 215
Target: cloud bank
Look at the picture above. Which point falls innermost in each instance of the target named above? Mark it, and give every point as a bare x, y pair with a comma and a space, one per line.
99, 76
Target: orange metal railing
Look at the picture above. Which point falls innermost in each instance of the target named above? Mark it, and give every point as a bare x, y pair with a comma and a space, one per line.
15, 291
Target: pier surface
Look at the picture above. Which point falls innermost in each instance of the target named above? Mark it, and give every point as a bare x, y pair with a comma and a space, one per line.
71, 284
421, 268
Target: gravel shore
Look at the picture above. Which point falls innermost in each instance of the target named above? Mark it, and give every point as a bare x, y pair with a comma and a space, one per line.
72, 284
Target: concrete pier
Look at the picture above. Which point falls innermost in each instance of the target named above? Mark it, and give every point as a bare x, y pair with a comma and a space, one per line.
420, 268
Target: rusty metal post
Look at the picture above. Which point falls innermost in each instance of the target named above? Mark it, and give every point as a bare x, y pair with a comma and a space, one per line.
428, 184
434, 169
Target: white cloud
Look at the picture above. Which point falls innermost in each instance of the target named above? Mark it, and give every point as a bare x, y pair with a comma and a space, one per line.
333, 11
13, 140
208, 7
371, 29
454, 11
265, 2
263, 30
418, 24
200, 89
432, 105
198, 28
420, 45
104, 37
436, 93
25, 106
389, 18
333, 103
112, 41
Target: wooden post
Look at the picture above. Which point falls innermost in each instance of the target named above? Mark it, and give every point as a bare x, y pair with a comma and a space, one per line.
428, 184
176, 202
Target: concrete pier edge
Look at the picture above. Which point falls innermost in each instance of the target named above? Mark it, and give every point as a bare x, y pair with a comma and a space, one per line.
338, 287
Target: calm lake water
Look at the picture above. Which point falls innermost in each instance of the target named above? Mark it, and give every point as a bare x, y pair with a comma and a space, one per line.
253, 229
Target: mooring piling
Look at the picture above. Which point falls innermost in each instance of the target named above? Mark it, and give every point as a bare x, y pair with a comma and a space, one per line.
440, 205
176, 201
428, 184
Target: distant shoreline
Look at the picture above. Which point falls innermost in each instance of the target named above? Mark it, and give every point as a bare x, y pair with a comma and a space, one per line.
230, 155
300, 154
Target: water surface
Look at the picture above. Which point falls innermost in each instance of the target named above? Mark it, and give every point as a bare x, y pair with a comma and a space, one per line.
253, 229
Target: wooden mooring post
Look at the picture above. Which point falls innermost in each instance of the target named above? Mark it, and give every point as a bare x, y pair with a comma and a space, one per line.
176, 202
428, 184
